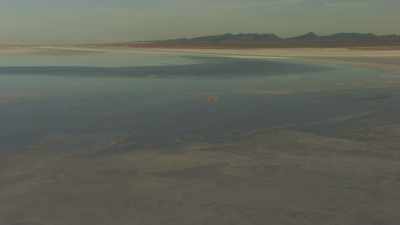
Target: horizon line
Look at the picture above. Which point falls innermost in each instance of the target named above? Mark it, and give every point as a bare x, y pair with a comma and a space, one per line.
98, 42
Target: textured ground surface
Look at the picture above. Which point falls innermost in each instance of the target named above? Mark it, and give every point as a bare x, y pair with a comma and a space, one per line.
277, 177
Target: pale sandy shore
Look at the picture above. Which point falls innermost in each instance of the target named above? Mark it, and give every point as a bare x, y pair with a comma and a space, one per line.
383, 59
285, 52
250, 53
7, 50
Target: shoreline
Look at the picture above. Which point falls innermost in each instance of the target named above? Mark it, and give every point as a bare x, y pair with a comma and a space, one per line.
384, 59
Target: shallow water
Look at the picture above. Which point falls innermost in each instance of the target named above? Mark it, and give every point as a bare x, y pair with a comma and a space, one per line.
119, 102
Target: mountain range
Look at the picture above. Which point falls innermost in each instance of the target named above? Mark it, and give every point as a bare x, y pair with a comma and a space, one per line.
254, 40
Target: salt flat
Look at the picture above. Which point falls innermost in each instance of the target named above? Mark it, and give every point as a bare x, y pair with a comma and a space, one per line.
303, 144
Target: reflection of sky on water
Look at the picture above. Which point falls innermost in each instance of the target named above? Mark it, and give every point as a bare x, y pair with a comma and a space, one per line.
82, 110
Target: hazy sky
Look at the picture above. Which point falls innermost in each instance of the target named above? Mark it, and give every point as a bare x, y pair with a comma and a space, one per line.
125, 20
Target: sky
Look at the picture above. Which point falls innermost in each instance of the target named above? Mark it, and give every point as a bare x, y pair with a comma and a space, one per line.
82, 21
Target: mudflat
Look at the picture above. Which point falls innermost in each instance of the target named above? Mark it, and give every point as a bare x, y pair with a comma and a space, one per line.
279, 176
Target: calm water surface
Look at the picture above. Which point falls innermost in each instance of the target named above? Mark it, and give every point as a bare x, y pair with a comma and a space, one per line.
128, 101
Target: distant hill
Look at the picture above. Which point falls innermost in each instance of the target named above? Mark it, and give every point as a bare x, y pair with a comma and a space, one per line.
254, 40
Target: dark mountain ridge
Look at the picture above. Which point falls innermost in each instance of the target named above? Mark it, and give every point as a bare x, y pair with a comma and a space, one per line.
271, 40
